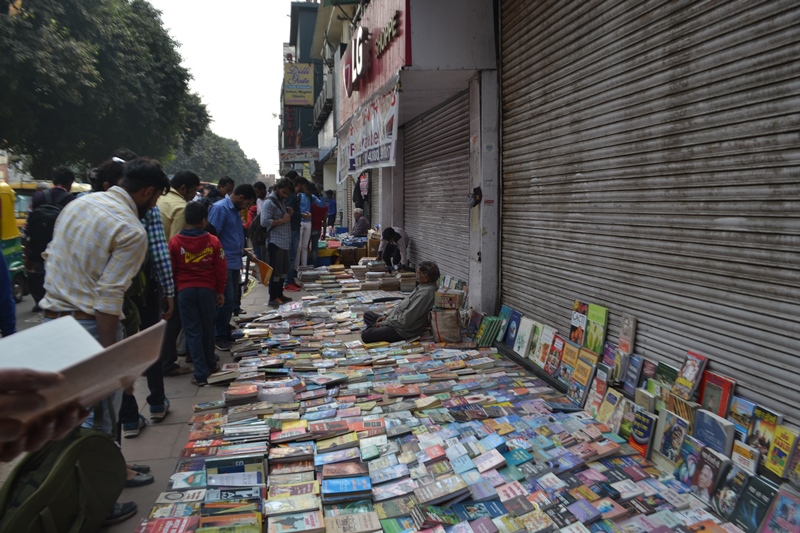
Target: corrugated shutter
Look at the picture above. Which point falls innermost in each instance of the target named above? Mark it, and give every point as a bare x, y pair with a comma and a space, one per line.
437, 186
348, 213
375, 197
650, 165
343, 201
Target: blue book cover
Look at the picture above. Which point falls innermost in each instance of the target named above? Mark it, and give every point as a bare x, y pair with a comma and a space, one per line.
346, 484
584, 511
505, 316
462, 464
513, 327
490, 442
472, 511
517, 457
632, 374
714, 431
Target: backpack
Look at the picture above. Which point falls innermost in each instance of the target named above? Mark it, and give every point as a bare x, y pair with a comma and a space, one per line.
69, 485
40, 225
258, 233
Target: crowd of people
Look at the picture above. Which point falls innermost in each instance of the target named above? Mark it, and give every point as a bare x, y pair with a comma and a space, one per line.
140, 248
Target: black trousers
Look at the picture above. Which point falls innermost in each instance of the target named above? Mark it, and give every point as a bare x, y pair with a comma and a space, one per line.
391, 255
375, 333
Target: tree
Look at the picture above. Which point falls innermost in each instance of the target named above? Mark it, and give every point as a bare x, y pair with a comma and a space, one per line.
212, 157
81, 79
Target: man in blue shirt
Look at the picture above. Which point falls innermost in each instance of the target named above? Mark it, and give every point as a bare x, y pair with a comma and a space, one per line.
293, 202
8, 308
224, 216
331, 196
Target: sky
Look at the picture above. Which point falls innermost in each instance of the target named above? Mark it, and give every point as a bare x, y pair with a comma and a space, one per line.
234, 52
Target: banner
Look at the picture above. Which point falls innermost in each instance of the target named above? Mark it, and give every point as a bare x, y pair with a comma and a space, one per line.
370, 140
298, 84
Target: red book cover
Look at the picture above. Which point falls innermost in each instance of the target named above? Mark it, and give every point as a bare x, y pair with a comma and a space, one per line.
716, 393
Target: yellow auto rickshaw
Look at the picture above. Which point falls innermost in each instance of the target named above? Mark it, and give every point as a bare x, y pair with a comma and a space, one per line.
11, 242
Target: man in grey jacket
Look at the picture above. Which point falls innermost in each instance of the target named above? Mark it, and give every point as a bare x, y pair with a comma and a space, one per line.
411, 316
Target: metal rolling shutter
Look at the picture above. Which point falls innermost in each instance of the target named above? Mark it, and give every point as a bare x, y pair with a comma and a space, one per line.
650, 165
375, 197
348, 211
437, 186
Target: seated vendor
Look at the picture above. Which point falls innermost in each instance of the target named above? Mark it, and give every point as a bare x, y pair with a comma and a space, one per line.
411, 316
361, 227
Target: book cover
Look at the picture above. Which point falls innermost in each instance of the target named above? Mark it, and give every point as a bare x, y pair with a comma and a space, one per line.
609, 351
716, 392
505, 316
648, 372
670, 433
611, 403
345, 485
311, 522
644, 399
686, 467
689, 376
644, 426
577, 327
353, 523
569, 358
598, 390
753, 504
609, 509
620, 368
553, 361
476, 510
762, 430
744, 456
741, 414
781, 449
632, 373
546, 337
728, 491
627, 333
522, 341
714, 431
711, 468
596, 322
581, 380
783, 515
513, 327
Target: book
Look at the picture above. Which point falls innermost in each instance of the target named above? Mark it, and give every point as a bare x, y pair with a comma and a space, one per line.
577, 328
310, 522
505, 316
686, 467
714, 431
632, 373
513, 327
395, 507
689, 376
610, 509
716, 392
644, 427
598, 390
569, 358
353, 523
741, 414
728, 491
753, 504
762, 430
546, 337
780, 451
178, 524
644, 399
553, 361
522, 341
610, 405
476, 510
744, 456
711, 468
581, 380
783, 515
584, 511
348, 485
627, 333
596, 322
294, 504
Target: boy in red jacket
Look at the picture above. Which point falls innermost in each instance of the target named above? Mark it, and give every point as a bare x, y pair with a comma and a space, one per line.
198, 263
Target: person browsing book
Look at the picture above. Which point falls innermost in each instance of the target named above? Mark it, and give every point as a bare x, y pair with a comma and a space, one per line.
393, 249
201, 277
411, 316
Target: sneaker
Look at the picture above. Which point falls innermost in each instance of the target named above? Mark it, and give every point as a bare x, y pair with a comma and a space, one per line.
131, 429
139, 480
158, 412
199, 383
291, 287
222, 345
144, 469
120, 512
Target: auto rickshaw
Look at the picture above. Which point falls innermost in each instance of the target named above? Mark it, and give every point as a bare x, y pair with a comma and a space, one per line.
11, 243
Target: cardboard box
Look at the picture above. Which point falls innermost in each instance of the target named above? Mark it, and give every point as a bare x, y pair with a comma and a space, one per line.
448, 298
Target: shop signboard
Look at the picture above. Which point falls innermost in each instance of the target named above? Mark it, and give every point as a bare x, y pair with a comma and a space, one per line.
370, 139
298, 155
298, 84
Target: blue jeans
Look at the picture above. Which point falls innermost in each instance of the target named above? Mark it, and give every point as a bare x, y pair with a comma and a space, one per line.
260, 251
106, 420
293, 254
222, 319
197, 315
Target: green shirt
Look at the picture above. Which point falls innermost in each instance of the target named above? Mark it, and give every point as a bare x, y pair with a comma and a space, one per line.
411, 316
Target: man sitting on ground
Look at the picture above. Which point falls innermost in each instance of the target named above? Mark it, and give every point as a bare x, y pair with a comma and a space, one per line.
411, 316
361, 227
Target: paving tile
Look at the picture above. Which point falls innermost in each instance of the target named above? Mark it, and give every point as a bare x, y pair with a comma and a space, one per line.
154, 442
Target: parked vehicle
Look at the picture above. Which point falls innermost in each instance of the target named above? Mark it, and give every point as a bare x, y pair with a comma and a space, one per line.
11, 242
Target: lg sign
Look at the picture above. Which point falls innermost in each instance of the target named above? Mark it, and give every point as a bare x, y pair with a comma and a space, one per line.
356, 63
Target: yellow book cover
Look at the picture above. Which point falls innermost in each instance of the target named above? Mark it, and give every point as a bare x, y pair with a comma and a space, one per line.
780, 450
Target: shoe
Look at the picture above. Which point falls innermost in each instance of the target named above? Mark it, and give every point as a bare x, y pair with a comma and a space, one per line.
131, 429
239, 311
216, 369
291, 288
120, 512
285, 298
188, 358
36, 308
199, 383
222, 345
139, 480
180, 371
144, 469
158, 412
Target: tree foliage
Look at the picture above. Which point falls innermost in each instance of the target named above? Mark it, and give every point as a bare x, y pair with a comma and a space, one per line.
80, 79
212, 157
